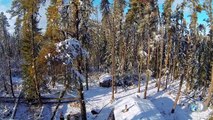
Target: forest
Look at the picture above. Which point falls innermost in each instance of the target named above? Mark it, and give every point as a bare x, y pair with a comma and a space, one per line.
89, 57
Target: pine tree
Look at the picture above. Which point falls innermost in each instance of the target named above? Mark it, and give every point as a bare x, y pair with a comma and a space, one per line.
7, 51
209, 9
53, 34
30, 39
168, 31
74, 27
118, 13
109, 24
183, 56
210, 91
85, 37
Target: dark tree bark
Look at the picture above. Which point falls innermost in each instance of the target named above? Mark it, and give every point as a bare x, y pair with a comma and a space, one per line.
147, 72
160, 67
86, 73
178, 94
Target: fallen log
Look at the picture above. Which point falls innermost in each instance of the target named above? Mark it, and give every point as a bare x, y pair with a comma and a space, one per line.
44, 100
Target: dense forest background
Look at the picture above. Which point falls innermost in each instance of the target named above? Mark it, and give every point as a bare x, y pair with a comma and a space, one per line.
76, 43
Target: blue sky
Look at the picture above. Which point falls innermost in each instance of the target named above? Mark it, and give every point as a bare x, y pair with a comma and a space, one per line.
6, 4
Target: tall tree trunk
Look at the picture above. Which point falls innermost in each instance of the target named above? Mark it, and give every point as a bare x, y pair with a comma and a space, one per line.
5, 86
113, 39
10, 76
187, 80
140, 68
8, 55
34, 65
86, 73
123, 57
139, 75
9, 68
173, 69
160, 69
178, 94
157, 65
210, 91
147, 71
80, 63
167, 65
82, 102
81, 89
113, 69
59, 102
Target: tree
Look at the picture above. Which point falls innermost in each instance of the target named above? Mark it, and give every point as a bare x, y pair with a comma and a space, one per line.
149, 30
53, 34
135, 39
30, 48
7, 50
118, 13
160, 66
85, 37
74, 31
183, 57
168, 31
209, 8
105, 9
210, 91
68, 52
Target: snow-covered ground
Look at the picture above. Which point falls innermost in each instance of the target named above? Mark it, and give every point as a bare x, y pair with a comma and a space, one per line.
136, 108
99, 99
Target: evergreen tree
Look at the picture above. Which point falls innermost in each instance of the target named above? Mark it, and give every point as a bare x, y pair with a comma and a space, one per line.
7, 50
85, 37
168, 31
30, 49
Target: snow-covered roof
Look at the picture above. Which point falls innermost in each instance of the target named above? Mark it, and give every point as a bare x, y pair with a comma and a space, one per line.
138, 109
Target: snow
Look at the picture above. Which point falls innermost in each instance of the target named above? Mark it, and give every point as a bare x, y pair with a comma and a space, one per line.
17, 80
137, 109
69, 50
105, 77
157, 106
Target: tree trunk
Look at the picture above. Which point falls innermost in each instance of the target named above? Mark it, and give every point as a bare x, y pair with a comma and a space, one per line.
8, 60
167, 58
34, 65
139, 75
113, 69
187, 80
157, 65
123, 57
9, 68
5, 86
10, 75
160, 71
58, 104
86, 73
210, 91
147, 72
16, 105
178, 94
113, 37
140, 67
82, 102
173, 69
